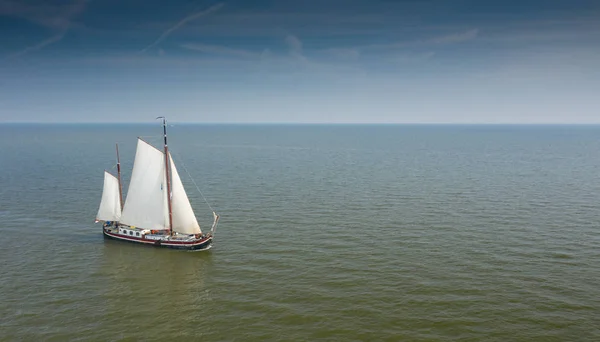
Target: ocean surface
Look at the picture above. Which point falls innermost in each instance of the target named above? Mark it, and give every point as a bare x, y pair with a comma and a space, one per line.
327, 232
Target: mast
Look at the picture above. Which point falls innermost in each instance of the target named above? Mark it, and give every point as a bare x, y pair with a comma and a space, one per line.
168, 175
119, 173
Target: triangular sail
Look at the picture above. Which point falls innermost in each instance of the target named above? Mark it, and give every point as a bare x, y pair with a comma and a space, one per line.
184, 220
110, 205
146, 203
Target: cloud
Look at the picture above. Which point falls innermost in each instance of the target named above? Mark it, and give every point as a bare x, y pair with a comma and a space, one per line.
51, 16
537, 36
404, 58
295, 47
182, 22
344, 53
266, 53
58, 18
294, 44
401, 51
221, 50
455, 38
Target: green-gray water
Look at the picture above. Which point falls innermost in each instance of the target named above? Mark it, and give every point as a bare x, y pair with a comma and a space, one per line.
367, 233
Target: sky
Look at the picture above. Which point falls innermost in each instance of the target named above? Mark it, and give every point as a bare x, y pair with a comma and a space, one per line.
302, 61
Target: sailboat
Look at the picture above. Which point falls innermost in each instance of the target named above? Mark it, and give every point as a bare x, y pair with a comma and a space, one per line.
157, 211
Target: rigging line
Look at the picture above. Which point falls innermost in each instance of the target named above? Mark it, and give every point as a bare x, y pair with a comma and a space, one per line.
193, 181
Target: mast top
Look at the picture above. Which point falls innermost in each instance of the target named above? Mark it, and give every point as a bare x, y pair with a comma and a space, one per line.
164, 120
168, 176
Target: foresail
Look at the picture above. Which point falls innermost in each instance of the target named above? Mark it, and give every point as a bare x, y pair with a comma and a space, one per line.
146, 204
184, 220
110, 205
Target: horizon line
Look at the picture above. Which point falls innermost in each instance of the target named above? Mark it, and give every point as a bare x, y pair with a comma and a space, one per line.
305, 123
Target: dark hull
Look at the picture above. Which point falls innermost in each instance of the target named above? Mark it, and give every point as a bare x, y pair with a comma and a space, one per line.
193, 246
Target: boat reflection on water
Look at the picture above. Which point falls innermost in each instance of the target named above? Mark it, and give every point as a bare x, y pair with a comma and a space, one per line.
154, 293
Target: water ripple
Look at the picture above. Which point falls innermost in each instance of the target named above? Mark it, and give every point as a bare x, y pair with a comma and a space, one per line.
338, 233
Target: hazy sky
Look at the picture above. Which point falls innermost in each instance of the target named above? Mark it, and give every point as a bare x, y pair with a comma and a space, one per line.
428, 61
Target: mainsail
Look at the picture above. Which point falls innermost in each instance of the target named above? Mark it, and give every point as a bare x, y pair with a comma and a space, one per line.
110, 205
146, 203
184, 220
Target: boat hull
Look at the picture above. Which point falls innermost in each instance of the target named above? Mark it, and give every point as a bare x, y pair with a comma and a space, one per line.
192, 246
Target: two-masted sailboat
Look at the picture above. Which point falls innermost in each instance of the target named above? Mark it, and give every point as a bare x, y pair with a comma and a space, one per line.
157, 210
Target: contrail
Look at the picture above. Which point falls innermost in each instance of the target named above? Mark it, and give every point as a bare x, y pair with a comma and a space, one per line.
56, 17
183, 22
38, 46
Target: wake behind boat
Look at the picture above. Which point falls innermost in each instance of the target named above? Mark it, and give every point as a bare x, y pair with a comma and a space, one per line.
157, 210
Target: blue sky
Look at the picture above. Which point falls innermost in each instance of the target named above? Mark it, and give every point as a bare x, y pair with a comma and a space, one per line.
333, 61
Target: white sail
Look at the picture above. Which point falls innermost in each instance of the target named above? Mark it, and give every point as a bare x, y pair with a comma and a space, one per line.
110, 205
184, 220
146, 203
